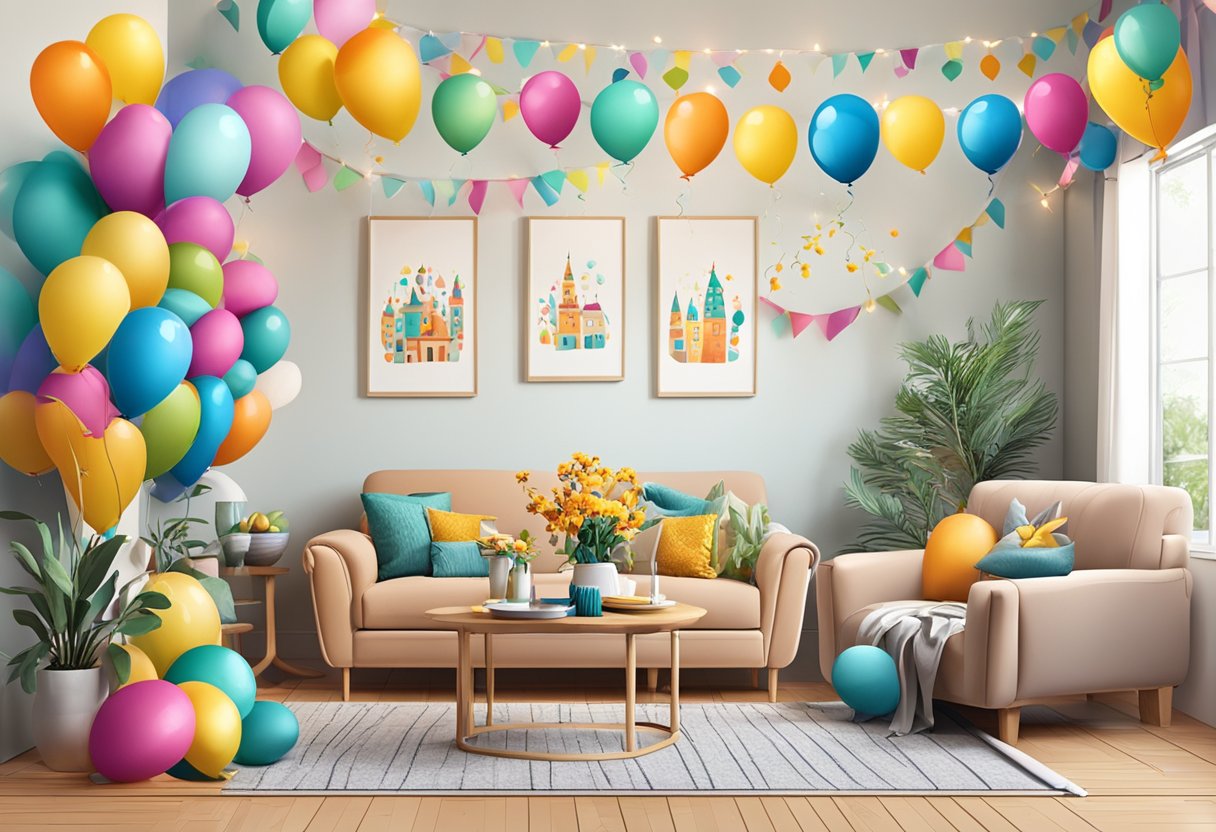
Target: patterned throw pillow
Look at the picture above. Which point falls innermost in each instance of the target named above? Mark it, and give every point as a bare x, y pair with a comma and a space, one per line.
458, 559
399, 531
1030, 548
686, 546
662, 502
450, 526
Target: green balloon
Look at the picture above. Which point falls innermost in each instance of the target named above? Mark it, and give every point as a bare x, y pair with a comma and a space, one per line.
269, 732
623, 118
17, 317
267, 334
241, 379
1147, 38
169, 429
281, 21
184, 304
54, 210
463, 109
195, 269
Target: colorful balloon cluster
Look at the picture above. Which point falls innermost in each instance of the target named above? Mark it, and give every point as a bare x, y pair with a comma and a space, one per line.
144, 357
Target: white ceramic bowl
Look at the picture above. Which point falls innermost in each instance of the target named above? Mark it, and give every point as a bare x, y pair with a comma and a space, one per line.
265, 548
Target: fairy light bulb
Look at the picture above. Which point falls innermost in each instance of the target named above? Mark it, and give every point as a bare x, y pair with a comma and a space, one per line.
711, 89
658, 39
816, 47
967, 39
870, 304
582, 46
1045, 203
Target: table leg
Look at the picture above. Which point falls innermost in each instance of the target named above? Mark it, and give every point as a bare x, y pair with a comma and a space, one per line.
461, 693
272, 650
470, 696
631, 689
674, 718
489, 679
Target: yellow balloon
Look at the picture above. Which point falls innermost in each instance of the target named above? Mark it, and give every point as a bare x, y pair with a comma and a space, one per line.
20, 446
80, 306
217, 728
142, 669
191, 621
131, 51
137, 248
1154, 120
913, 128
306, 73
378, 77
766, 140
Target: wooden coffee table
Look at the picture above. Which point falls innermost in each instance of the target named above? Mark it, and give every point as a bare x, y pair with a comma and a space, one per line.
466, 622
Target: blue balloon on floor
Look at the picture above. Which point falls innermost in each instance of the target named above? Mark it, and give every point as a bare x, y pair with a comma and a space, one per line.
269, 732
866, 679
219, 666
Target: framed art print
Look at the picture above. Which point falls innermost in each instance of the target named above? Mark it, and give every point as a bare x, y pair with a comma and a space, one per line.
706, 306
575, 299
422, 306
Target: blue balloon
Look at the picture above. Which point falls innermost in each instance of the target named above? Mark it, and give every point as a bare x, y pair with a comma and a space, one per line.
54, 211
990, 131
219, 666
184, 304
11, 180
269, 732
17, 317
1098, 147
866, 680
208, 154
34, 362
192, 89
147, 358
281, 21
844, 137
267, 334
166, 488
241, 379
216, 405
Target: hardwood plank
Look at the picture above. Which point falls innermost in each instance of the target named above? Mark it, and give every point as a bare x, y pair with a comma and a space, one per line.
987, 816
916, 814
390, 814
829, 813
779, 815
646, 814
754, 814
956, 814
1034, 814
1128, 814
339, 814
806, 816
705, 814
275, 814
599, 813
866, 814
551, 814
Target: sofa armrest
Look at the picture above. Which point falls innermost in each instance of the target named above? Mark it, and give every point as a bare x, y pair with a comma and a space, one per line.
783, 576
341, 565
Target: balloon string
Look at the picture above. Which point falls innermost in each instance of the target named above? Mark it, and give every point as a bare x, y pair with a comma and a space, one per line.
623, 177
991, 186
680, 202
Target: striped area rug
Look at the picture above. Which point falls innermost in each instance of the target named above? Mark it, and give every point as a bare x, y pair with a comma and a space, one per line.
745, 748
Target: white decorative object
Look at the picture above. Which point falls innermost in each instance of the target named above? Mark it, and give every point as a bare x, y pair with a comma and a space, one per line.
64, 707
519, 586
280, 384
603, 576
500, 571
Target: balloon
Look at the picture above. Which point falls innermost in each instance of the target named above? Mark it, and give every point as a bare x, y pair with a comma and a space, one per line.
550, 105
141, 730
142, 668
623, 118
54, 210
340, 20
250, 421
127, 161
766, 140
280, 384
377, 75
208, 154
135, 246
865, 679
843, 136
215, 420
268, 732
217, 732
169, 429
218, 666
11, 180
218, 341
86, 394
201, 220
281, 21
147, 359
185, 304
274, 134
1056, 111
956, 544
72, 92
1098, 147
81, 305
131, 51
463, 109
912, 129
242, 378
190, 621
989, 132
695, 131
17, 317
306, 74
1154, 120
166, 488
248, 285
20, 447
1147, 38
267, 334
193, 89
197, 270
34, 362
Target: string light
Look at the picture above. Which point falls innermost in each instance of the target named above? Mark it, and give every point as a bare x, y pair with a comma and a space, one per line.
967, 39
711, 89
816, 47
582, 46
658, 39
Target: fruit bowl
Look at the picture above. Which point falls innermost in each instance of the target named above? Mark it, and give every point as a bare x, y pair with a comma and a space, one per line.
266, 548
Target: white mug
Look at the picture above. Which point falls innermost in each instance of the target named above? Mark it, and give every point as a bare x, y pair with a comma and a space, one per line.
628, 586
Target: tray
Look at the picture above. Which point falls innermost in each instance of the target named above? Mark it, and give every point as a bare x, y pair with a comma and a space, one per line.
522, 610
618, 607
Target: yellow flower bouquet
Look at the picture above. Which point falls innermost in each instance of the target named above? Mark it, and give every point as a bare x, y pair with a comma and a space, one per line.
520, 549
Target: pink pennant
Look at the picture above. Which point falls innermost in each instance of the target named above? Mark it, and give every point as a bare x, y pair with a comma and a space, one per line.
909, 57
307, 158
837, 322
316, 179
901, 71
799, 321
778, 309
518, 187
477, 195
638, 61
722, 59
1070, 170
950, 259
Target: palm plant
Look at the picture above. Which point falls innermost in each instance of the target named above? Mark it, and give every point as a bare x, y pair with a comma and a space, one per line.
966, 412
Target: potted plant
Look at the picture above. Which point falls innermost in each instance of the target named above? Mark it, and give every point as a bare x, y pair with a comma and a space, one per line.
73, 585
175, 550
509, 559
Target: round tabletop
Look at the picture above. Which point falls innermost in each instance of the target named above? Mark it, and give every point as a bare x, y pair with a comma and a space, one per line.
658, 621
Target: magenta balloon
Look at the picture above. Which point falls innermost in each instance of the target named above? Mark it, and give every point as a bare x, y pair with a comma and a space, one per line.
218, 341
200, 220
274, 132
1057, 111
550, 105
87, 394
248, 285
127, 161
141, 730
339, 20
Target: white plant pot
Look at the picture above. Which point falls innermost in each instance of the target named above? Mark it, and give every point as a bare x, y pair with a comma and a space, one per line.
519, 585
500, 571
603, 576
64, 707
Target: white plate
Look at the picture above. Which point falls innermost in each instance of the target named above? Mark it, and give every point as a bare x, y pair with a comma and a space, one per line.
661, 605
524, 610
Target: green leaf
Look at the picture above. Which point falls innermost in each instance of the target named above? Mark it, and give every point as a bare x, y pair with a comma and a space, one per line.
152, 601
121, 661
26, 559
28, 619
97, 564
139, 624
17, 515
101, 599
29, 665
58, 575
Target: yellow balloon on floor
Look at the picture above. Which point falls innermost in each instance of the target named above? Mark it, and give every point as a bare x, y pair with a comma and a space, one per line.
20, 446
913, 128
1154, 120
191, 620
131, 51
81, 304
766, 140
217, 728
137, 248
306, 73
378, 77
142, 669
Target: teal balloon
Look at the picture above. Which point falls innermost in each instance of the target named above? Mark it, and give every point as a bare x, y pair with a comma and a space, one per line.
11, 180
184, 771
219, 666
241, 379
1147, 38
208, 154
185, 304
269, 732
463, 109
281, 21
17, 317
865, 678
54, 211
267, 334
623, 118
1098, 147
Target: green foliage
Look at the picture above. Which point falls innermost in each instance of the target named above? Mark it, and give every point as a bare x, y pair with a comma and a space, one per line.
1184, 450
966, 412
745, 538
175, 548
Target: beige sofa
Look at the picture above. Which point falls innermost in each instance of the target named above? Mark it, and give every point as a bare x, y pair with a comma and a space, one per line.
362, 622
1120, 621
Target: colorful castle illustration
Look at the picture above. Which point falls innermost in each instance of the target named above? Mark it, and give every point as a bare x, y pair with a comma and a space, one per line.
421, 322
701, 336
569, 325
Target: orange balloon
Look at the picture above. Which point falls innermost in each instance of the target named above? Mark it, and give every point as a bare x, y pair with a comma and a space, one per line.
250, 421
20, 446
1152, 119
695, 131
72, 91
956, 544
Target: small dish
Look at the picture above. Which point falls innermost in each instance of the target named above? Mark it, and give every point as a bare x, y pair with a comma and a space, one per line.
619, 607
524, 610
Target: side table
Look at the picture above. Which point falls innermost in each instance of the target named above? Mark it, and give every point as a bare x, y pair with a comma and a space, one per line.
268, 574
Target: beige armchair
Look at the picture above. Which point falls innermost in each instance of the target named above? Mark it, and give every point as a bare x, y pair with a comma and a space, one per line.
1120, 621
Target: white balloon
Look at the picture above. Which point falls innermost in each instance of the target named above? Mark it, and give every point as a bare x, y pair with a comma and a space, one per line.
280, 384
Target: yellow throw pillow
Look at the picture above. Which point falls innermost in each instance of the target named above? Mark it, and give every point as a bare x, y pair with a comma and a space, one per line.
955, 545
686, 546
449, 526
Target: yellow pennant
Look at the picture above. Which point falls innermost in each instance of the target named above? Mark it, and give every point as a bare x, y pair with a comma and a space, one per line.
494, 50
682, 58
1056, 34
567, 53
588, 57
459, 65
1078, 22
601, 170
964, 236
954, 50
1028, 63
510, 109
982, 219
578, 178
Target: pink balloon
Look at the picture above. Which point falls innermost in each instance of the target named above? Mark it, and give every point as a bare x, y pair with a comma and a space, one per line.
275, 133
218, 341
248, 285
87, 394
127, 161
338, 20
141, 730
200, 220
550, 105
1056, 112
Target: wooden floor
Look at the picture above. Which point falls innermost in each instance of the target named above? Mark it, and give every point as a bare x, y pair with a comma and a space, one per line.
1138, 777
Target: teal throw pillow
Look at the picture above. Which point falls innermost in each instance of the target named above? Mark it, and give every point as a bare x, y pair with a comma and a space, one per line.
458, 559
1011, 561
399, 530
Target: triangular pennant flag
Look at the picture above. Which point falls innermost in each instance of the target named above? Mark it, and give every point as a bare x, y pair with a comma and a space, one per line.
814, 60
555, 179
428, 190
619, 74
882, 268
231, 13
1073, 41
837, 322
676, 77
601, 170
952, 69
517, 187
965, 248
477, 195
1056, 33
950, 259
198, 63
430, 48
497, 89
724, 58
729, 75
780, 310
382, 22
683, 58
908, 56
887, 302
568, 52
456, 184
459, 65
1028, 63
494, 50
799, 321
578, 178
779, 78
901, 71
307, 158
1044, 47
990, 65
1078, 22
588, 58
996, 210
638, 61
1070, 170
451, 40
391, 185
545, 190
964, 236
346, 177
444, 191
658, 58
954, 50
781, 325
982, 220
525, 51
917, 281
316, 179
510, 109
864, 59
1091, 33
838, 63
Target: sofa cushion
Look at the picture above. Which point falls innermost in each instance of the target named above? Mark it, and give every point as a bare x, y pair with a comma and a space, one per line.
949, 683
398, 528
